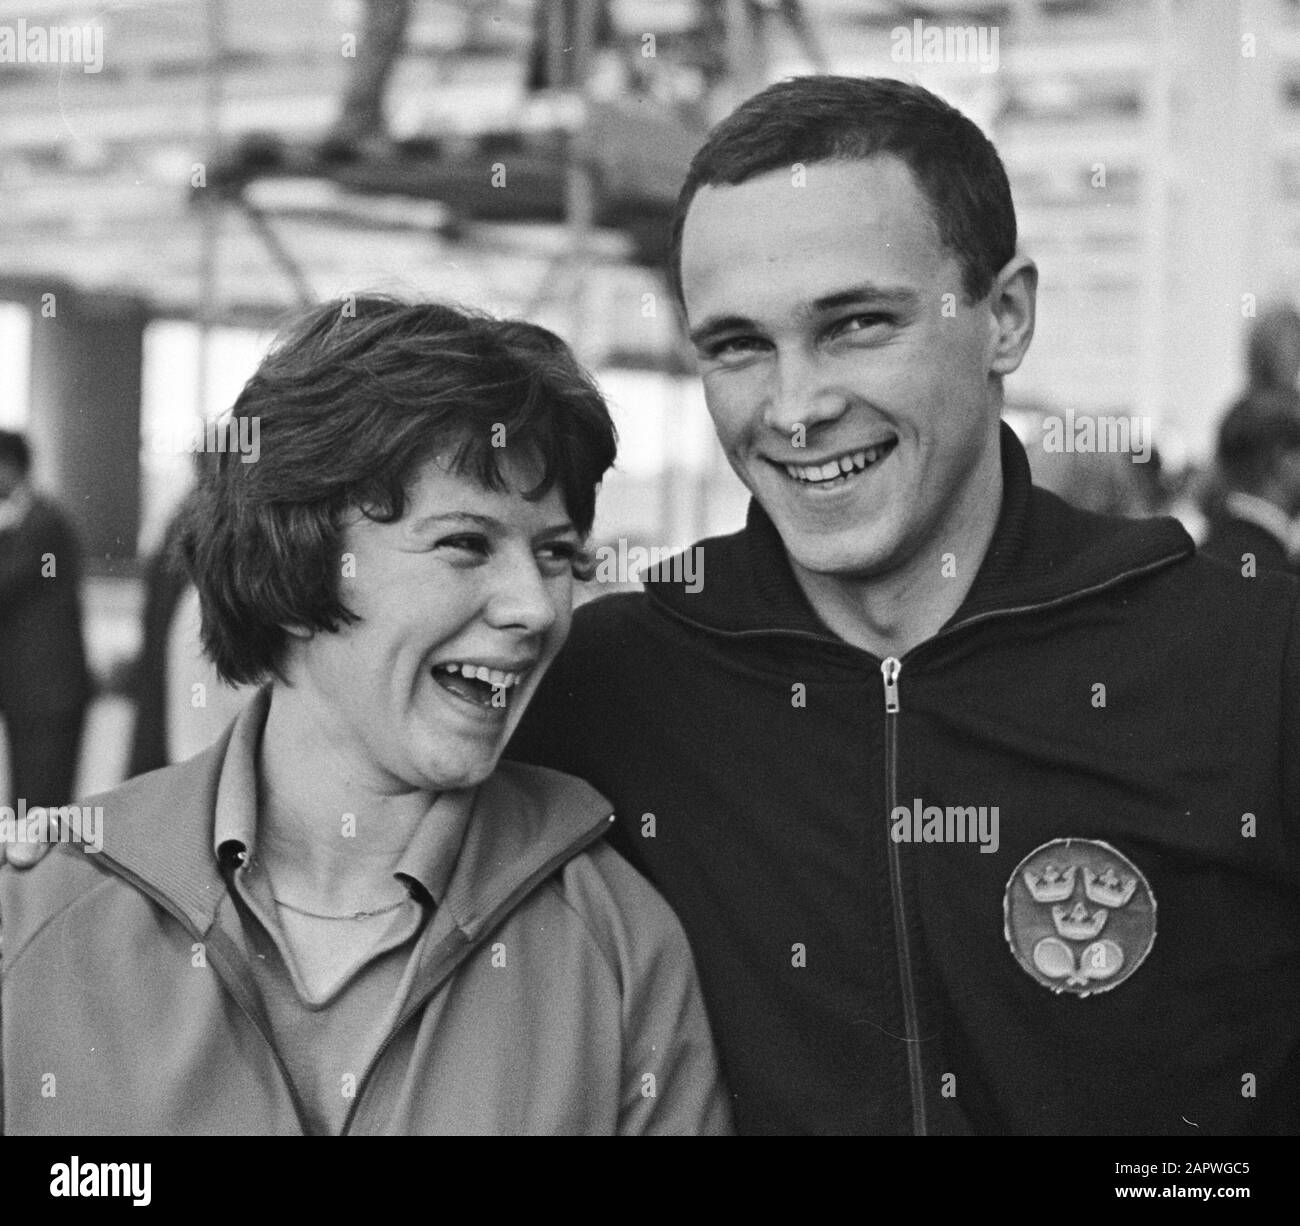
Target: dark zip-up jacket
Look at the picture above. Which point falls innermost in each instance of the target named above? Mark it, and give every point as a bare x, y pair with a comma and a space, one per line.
1131, 710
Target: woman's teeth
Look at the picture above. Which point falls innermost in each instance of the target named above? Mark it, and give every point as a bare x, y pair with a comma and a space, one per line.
477, 672
476, 683
832, 470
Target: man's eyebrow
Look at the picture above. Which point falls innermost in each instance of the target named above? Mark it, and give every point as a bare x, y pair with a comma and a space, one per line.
720, 323
898, 296
883, 295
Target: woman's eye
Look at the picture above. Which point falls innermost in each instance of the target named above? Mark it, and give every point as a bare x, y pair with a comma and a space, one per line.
560, 553
476, 545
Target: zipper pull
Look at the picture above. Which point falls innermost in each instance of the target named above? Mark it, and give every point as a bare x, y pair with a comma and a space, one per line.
889, 669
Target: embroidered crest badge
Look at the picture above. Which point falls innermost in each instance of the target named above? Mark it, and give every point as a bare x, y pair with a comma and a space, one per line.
1079, 916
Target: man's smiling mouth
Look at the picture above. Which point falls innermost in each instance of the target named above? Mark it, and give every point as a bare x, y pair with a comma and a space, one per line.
479, 684
840, 469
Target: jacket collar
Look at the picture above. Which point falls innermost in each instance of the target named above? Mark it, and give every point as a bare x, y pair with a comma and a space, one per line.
1043, 552
524, 823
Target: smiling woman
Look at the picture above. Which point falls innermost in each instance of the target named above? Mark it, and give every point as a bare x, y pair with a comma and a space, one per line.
348, 915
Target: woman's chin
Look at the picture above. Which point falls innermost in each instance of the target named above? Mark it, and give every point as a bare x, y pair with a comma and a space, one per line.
442, 769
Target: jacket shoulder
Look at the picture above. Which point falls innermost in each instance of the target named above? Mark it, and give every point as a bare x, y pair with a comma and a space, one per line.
610, 617
538, 793
637, 932
31, 897
1222, 591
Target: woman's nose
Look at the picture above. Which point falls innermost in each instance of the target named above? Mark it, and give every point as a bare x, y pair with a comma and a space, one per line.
522, 598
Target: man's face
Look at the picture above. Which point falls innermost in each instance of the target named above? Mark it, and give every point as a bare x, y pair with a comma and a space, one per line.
834, 337
469, 579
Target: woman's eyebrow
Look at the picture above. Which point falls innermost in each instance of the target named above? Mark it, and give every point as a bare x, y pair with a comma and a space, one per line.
486, 522
457, 517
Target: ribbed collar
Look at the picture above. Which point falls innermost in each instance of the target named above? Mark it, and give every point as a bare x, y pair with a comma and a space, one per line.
524, 822
1043, 551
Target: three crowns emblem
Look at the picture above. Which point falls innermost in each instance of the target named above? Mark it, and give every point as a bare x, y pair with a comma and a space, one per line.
1061, 899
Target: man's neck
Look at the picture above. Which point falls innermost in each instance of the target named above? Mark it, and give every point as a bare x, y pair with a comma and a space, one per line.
890, 614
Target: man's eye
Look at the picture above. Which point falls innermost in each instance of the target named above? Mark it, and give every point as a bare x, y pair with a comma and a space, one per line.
734, 347
859, 323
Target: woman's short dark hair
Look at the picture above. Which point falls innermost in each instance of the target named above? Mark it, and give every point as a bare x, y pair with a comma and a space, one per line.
350, 401
830, 118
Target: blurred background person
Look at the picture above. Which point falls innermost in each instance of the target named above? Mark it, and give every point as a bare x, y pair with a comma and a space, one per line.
1273, 349
45, 685
181, 704
1256, 489
165, 583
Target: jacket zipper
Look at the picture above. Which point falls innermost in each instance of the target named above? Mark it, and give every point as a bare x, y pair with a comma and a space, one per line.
233, 985
502, 910
889, 670
226, 972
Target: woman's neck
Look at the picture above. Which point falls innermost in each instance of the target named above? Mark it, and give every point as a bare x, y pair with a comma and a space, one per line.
328, 836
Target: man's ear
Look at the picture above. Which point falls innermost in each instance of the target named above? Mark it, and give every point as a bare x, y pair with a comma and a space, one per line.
1011, 304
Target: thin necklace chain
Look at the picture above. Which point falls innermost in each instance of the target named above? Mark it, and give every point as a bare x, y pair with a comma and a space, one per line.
351, 915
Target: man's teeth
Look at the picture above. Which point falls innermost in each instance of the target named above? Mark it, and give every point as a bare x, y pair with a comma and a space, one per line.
477, 672
854, 462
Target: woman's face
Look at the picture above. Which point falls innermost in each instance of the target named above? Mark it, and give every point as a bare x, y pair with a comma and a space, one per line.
463, 604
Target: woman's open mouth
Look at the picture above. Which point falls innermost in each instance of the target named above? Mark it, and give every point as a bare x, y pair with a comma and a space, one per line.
478, 684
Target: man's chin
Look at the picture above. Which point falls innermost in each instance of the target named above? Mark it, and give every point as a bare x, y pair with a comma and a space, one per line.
849, 560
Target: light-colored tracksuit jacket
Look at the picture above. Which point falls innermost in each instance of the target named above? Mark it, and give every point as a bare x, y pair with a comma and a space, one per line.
556, 990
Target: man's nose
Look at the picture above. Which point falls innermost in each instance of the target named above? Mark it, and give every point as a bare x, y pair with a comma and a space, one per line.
521, 599
802, 394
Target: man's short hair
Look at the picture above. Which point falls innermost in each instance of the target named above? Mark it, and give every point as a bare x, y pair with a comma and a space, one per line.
14, 450
351, 401
1254, 434
831, 118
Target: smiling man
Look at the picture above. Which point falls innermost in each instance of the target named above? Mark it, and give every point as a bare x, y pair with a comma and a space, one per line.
907, 633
